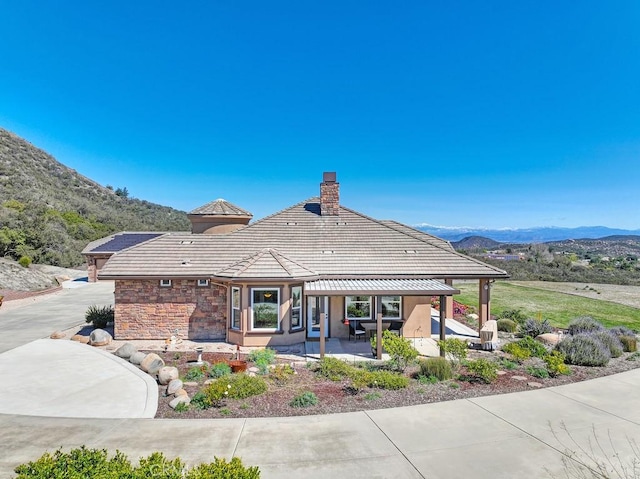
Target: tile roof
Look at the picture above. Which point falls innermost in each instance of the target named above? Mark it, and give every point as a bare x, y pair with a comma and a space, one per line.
349, 245
267, 263
422, 287
220, 207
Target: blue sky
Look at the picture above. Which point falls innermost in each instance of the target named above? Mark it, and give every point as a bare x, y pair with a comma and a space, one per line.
455, 113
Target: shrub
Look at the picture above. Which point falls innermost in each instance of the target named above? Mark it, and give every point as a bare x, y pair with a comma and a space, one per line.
196, 373
361, 378
262, 358
333, 369
282, 373
200, 400
387, 380
622, 331
244, 386
305, 399
508, 364
555, 364
219, 370
584, 350
518, 352
534, 327
513, 314
438, 368
24, 261
507, 325
483, 370
629, 343
427, 379
611, 341
99, 316
536, 348
456, 349
538, 372
584, 324
182, 407
221, 469
400, 350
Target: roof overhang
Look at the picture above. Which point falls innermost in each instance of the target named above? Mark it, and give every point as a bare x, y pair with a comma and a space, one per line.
378, 287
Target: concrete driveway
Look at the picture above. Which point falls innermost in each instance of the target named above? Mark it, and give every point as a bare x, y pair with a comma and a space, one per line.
525, 434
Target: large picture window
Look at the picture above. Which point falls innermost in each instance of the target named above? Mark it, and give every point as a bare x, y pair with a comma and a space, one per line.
265, 308
357, 307
296, 307
390, 307
235, 308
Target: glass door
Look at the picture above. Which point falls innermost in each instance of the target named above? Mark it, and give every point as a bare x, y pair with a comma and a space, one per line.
316, 305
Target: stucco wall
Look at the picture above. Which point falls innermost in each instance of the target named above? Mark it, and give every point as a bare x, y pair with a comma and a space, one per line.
144, 310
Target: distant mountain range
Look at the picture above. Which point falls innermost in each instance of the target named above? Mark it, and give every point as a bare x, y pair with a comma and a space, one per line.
526, 235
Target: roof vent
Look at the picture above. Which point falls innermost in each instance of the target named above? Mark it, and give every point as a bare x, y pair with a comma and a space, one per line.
341, 223
186, 242
186, 262
291, 223
328, 251
410, 251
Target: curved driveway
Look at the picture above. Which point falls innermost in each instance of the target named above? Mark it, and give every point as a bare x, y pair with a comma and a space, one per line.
505, 436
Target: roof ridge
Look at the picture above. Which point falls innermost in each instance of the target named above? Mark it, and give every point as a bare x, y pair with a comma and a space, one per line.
261, 220
277, 256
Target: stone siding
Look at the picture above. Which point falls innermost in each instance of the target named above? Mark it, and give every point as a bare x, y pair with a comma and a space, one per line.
145, 310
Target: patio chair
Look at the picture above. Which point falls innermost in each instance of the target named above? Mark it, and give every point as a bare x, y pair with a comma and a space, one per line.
356, 330
396, 327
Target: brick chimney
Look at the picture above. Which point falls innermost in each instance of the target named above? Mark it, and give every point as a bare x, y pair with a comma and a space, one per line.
329, 194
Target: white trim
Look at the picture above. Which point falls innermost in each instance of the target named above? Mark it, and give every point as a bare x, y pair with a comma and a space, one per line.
165, 283
379, 305
298, 308
234, 309
346, 306
203, 283
277, 291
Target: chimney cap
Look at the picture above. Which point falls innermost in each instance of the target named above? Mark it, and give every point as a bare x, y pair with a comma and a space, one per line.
329, 177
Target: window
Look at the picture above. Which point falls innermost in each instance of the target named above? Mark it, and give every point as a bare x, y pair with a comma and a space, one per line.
203, 283
235, 308
165, 283
357, 307
296, 307
390, 307
265, 308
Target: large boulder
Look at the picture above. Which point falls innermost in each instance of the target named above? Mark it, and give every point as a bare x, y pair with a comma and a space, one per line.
173, 386
80, 338
179, 400
125, 351
137, 357
167, 374
99, 337
152, 363
550, 339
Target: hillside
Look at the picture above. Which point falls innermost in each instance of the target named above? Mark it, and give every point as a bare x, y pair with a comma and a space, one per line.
49, 212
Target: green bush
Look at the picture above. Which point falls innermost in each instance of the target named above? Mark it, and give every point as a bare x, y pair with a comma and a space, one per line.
195, 373
483, 370
219, 370
400, 350
387, 380
518, 352
99, 316
507, 325
584, 324
456, 349
611, 341
244, 386
622, 331
508, 364
24, 261
305, 399
221, 469
555, 364
438, 368
200, 400
281, 373
534, 327
262, 358
513, 314
536, 348
538, 372
333, 369
629, 343
584, 350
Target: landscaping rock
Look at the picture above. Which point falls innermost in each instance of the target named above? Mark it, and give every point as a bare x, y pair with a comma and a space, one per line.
173, 386
167, 374
550, 339
137, 357
125, 351
533, 384
152, 363
57, 335
99, 337
518, 378
191, 383
80, 338
180, 392
179, 400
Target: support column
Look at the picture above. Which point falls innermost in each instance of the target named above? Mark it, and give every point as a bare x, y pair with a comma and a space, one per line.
323, 317
484, 309
449, 282
443, 316
379, 336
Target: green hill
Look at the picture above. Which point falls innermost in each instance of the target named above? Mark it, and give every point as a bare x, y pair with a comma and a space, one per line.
49, 212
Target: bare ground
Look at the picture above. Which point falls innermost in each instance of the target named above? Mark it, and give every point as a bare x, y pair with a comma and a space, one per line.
622, 294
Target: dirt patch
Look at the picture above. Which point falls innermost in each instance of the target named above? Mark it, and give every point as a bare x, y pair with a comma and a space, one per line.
622, 294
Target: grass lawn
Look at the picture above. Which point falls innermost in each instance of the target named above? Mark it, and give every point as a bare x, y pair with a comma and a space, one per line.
558, 308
